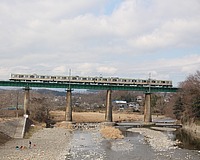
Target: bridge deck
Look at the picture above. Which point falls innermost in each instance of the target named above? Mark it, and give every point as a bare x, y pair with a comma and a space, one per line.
86, 86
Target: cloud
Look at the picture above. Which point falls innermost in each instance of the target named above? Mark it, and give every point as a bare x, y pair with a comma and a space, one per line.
107, 70
48, 26
129, 38
95, 69
173, 34
59, 70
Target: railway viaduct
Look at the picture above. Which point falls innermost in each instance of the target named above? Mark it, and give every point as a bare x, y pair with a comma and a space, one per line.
148, 90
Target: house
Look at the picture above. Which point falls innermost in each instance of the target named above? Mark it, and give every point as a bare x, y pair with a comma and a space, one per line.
134, 105
120, 104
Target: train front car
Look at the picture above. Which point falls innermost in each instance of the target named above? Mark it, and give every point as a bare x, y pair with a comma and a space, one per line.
15, 77
12, 77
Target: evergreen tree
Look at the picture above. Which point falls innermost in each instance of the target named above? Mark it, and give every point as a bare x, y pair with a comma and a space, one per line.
196, 107
178, 108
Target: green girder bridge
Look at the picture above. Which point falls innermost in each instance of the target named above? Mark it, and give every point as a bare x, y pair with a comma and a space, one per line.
69, 86
87, 86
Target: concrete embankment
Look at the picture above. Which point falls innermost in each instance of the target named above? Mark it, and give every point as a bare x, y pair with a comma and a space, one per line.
14, 128
4, 138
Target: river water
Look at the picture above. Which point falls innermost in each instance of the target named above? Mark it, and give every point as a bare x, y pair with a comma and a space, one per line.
89, 145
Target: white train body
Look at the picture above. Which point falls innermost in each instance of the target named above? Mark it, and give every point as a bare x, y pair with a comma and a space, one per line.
89, 80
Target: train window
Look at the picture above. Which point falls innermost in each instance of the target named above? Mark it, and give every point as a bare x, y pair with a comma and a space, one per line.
64, 77
32, 76
47, 77
104, 79
21, 76
153, 81
123, 80
13, 76
114, 80
144, 81
42, 77
84, 79
73, 78
162, 81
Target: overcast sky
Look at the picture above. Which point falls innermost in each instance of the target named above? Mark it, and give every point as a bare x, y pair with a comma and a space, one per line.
121, 38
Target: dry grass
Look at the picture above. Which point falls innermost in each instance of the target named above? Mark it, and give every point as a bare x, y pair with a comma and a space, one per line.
111, 132
96, 116
32, 130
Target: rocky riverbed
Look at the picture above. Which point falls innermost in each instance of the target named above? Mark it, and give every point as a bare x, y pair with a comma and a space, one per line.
87, 143
156, 139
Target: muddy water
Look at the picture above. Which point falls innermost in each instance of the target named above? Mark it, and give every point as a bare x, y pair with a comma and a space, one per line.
89, 145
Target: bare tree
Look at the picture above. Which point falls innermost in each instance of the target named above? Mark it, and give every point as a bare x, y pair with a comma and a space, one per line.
40, 106
187, 101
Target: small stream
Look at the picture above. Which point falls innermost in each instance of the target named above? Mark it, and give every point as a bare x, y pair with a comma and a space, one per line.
89, 145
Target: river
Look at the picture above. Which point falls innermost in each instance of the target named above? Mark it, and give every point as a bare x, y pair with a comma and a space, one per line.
89, 145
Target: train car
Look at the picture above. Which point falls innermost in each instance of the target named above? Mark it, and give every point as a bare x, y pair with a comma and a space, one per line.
90, 80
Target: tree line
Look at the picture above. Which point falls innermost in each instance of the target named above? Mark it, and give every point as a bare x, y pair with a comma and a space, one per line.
186, 102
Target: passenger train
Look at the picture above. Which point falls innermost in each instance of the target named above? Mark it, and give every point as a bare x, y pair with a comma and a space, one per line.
89, 80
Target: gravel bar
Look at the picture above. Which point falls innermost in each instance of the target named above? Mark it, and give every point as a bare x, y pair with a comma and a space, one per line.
156, 139
46, 144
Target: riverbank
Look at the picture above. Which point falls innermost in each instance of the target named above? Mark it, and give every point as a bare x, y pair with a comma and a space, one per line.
156, 139
193, 128
59, 142
46, 143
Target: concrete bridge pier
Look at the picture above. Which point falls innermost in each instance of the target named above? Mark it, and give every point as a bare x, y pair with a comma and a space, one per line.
26, 100
147, 108
108, 115
68, 113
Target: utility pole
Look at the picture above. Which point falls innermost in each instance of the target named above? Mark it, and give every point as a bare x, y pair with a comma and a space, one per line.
69, 79
150, 82
17, 103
